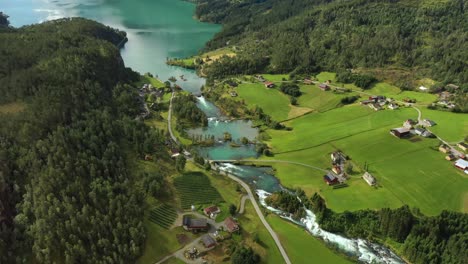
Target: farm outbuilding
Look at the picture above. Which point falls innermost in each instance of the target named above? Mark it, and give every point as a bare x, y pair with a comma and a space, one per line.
400, 132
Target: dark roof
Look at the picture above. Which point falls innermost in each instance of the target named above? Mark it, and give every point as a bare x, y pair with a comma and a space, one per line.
208, 241
194, 223
401, 130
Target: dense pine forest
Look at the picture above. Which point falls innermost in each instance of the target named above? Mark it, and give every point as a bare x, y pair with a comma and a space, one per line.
67, 194
420, 38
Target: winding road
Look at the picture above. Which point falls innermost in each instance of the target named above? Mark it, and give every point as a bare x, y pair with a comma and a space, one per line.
169, 119
260, 214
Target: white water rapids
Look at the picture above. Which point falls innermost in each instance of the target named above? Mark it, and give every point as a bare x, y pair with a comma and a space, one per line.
366, 251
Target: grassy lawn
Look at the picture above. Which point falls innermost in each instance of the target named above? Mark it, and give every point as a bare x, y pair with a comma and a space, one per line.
12, 108
266, 247
272, 101
408, 172
147, 79
452, 127
301, 246
318, 100
394, 92
319, 128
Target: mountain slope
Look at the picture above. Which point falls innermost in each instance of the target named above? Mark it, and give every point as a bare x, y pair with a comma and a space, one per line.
426, 36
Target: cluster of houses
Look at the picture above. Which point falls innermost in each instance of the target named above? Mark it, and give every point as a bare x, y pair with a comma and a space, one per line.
446, 97
337, 174
265, 82
150, 90
413, 127
454, 154
196, 225
378, 102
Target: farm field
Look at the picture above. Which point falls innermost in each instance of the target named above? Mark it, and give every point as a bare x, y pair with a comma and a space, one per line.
394, 92
318, 100
452, 127
272, 101
408, 171
195, 188
301, 246
163, 215
318, 128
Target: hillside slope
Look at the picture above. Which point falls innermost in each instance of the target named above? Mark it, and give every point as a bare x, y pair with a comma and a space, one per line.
423, 36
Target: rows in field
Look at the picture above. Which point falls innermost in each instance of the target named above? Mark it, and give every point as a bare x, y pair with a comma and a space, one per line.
195, 188
163, 216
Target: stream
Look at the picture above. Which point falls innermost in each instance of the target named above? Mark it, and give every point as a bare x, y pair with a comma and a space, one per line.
161, 29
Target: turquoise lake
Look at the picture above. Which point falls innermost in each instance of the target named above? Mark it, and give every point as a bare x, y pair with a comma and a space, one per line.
156, 30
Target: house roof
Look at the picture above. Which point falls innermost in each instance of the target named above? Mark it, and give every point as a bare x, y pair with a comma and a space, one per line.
268, 83
401, 129
211, 209
208, 241
194, 223
463, 144
230, 224
461, 163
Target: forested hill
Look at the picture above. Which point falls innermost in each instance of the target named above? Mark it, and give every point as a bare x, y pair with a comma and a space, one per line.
428, 36
67, 194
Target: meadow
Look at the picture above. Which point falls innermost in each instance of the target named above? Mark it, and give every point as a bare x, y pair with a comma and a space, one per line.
408, 171
272, 101
301, 246
265, 245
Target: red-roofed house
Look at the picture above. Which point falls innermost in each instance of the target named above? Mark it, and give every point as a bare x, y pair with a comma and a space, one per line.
231, 225
269, 84
324, 87
209, 211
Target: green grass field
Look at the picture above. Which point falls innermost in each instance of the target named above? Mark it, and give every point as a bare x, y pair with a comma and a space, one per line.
147, 79
251, 225
408, 172
195, 188
163, 215
318, 100
272, 101
452, 127
301, 246
394, 92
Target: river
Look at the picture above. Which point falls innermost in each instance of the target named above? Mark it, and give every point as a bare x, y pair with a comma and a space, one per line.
161, 29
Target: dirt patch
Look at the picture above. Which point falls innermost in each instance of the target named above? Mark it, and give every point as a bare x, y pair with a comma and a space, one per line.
465, 203
183, 239
415, 139
298, 111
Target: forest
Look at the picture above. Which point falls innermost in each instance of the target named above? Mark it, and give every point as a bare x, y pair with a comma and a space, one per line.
67, 194
421, 37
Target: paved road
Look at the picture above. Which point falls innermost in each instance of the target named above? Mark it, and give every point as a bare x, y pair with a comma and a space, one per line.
242, 205
262, 218
274, 161
169, 119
